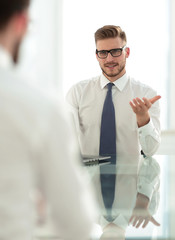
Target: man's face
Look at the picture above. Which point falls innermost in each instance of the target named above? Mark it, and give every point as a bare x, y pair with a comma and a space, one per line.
112, 67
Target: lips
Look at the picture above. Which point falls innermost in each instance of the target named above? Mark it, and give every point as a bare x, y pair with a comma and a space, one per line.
111, 65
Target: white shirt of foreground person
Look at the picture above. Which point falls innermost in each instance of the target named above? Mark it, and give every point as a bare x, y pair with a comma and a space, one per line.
86, 100
36, 151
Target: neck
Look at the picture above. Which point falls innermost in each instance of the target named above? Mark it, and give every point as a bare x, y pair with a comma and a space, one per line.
115, 78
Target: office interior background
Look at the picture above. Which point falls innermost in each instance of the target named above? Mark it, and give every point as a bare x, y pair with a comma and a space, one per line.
59, 50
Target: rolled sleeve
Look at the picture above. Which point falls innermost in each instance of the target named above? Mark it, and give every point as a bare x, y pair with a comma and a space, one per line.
149, 138
148, 179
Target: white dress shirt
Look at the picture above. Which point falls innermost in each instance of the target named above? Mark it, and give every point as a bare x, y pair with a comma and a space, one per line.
86, 100
37, 151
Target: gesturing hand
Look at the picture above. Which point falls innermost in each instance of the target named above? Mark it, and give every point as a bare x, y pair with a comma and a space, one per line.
140, 107
142, 217
140, 214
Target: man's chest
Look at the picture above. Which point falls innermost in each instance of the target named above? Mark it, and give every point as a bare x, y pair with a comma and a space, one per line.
91, 108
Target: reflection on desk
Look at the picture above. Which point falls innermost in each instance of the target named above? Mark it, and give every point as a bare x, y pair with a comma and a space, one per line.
130, 173
134, 174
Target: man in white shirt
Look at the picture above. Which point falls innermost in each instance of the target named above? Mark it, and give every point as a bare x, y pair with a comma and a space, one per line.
136, 107
37, 150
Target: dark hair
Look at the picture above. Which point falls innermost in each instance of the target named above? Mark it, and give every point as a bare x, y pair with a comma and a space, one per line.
110, 31
10, 7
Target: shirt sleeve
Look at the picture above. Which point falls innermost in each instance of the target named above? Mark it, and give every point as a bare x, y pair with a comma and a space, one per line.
149, 135
149, 181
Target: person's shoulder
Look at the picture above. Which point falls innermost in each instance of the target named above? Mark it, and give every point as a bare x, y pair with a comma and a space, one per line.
88, 82
24, 96
85, 85
33, 111
42, 102
140, 86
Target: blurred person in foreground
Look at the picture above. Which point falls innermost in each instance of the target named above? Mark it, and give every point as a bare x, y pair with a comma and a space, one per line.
36, 149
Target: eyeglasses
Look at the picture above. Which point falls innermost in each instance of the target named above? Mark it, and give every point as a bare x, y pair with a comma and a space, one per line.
116, 52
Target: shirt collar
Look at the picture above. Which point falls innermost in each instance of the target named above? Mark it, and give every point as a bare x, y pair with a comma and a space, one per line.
5, 58
119, 83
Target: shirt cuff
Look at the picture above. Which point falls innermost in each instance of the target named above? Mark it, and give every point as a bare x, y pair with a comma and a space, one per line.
147, 129
146, 189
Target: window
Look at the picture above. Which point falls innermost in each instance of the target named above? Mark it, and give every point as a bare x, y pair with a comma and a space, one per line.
146, 25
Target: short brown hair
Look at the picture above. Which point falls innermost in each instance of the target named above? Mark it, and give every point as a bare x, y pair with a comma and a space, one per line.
10, 7
110, 31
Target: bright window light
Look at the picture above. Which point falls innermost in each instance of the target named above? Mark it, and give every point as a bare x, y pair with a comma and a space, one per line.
146, 25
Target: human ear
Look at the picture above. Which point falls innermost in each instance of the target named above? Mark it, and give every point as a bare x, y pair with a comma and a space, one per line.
96, 56
21, 23
127, 50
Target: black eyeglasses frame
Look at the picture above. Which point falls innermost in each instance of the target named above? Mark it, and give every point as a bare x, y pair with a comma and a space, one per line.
110, 51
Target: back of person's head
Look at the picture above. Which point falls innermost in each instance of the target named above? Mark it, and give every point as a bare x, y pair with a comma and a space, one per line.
110, 31
8, 8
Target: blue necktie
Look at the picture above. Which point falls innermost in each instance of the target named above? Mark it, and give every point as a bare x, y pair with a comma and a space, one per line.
108, 147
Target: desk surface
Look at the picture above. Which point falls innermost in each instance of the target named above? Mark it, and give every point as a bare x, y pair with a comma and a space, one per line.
126, 171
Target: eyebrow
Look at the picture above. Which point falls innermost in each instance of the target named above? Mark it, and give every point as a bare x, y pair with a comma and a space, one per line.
110, 49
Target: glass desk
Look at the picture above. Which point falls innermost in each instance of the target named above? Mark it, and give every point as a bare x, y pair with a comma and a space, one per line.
155, 176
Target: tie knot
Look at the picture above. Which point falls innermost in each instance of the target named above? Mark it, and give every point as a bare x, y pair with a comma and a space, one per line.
110, 86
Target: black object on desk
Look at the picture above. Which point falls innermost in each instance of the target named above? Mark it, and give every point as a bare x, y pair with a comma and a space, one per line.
95, 160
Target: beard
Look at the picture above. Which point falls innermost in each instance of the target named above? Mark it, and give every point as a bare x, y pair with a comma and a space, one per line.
16, 51
117, 72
